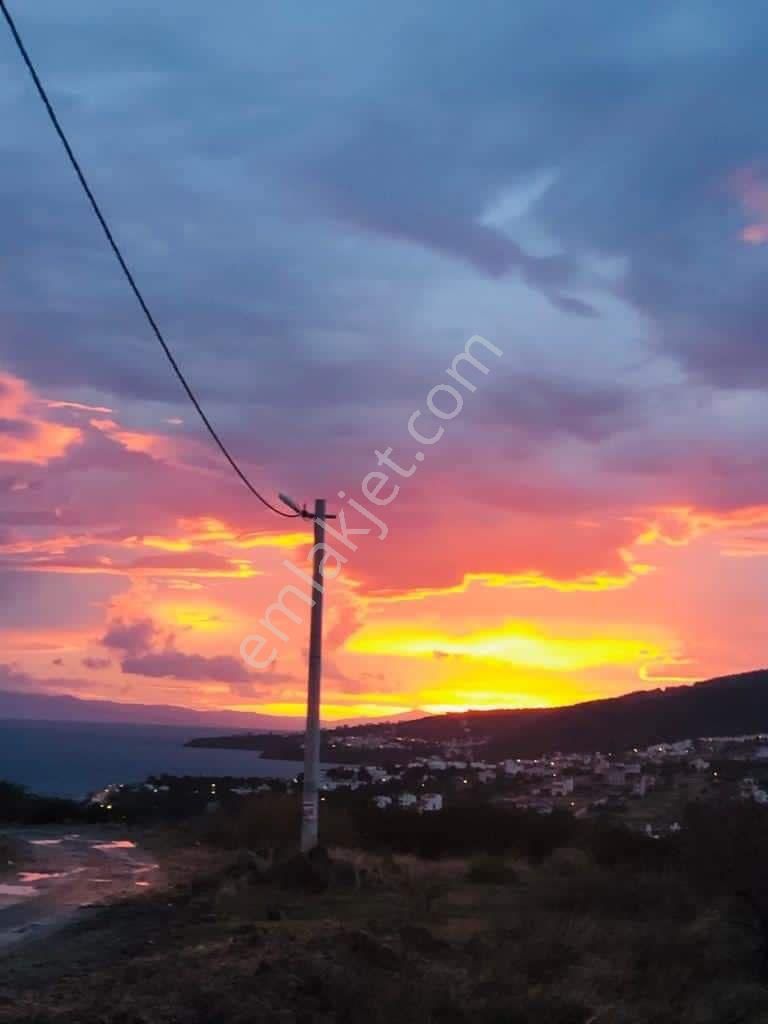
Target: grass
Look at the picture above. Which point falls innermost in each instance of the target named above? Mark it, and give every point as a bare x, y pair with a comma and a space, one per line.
460, 941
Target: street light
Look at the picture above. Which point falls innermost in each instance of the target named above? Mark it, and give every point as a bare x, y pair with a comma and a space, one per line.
286, 500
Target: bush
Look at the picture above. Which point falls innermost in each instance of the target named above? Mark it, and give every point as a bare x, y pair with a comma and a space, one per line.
487, 869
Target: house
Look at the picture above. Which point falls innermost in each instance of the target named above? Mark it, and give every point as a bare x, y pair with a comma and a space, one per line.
513, 767
487, 775
616, 776
407, 800
562, 787
540, 806
747, 787
431, 802
699, 764
382, 801
639, 786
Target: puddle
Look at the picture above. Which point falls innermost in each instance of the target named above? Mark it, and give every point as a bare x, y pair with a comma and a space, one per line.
40, 876
147, 867
142, 884
45, 842
117, 844
22, 891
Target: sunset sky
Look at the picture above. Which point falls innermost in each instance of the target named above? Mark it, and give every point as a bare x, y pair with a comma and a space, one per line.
323, 203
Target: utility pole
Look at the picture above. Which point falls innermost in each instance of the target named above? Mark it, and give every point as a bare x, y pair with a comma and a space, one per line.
311, 789
310, 796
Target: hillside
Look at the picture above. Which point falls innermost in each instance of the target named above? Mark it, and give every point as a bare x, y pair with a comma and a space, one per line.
584, 925
728, 705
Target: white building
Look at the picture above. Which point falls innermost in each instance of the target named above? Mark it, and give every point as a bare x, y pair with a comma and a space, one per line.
513, 767
639, 786
407, 800
382, 801
431, 802
562, 787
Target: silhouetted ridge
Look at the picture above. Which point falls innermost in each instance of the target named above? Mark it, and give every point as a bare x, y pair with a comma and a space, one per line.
728, 705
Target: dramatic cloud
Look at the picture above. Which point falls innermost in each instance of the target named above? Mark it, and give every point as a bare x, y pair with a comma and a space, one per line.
174, 664
322, 206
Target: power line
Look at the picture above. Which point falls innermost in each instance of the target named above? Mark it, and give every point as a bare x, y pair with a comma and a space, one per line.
126, 271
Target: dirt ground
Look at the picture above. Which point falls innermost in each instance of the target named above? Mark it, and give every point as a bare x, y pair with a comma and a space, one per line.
389, 940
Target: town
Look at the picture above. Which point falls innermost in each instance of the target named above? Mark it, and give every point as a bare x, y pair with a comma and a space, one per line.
645, 788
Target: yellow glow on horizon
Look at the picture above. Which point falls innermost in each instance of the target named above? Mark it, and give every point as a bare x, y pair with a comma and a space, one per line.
486, 703
329, 712
515, 643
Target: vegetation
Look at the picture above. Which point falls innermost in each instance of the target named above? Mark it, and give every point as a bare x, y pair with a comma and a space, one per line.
594, 934
18, 806
475, 915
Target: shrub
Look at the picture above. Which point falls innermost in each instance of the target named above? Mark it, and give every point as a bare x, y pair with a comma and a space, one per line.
487, 869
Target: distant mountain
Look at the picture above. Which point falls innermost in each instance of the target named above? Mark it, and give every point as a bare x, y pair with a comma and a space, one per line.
726, 706
61, 708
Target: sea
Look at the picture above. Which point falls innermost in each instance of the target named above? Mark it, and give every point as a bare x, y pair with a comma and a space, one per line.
74, 759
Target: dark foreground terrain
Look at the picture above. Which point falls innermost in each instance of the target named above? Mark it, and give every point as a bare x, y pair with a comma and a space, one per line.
232, 938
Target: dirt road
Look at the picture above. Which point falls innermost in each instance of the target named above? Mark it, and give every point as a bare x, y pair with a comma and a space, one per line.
58, 874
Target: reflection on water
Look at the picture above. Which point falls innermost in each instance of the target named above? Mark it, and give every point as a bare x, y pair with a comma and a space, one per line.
41, 876
45, 842
117, 844
20, 891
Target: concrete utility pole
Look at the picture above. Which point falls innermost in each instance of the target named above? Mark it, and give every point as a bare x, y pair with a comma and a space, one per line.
310, 796
311, 789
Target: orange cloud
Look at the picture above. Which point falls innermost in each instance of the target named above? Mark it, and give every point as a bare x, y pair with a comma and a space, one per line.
24, 436
156, 445
519, 581
678, 525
